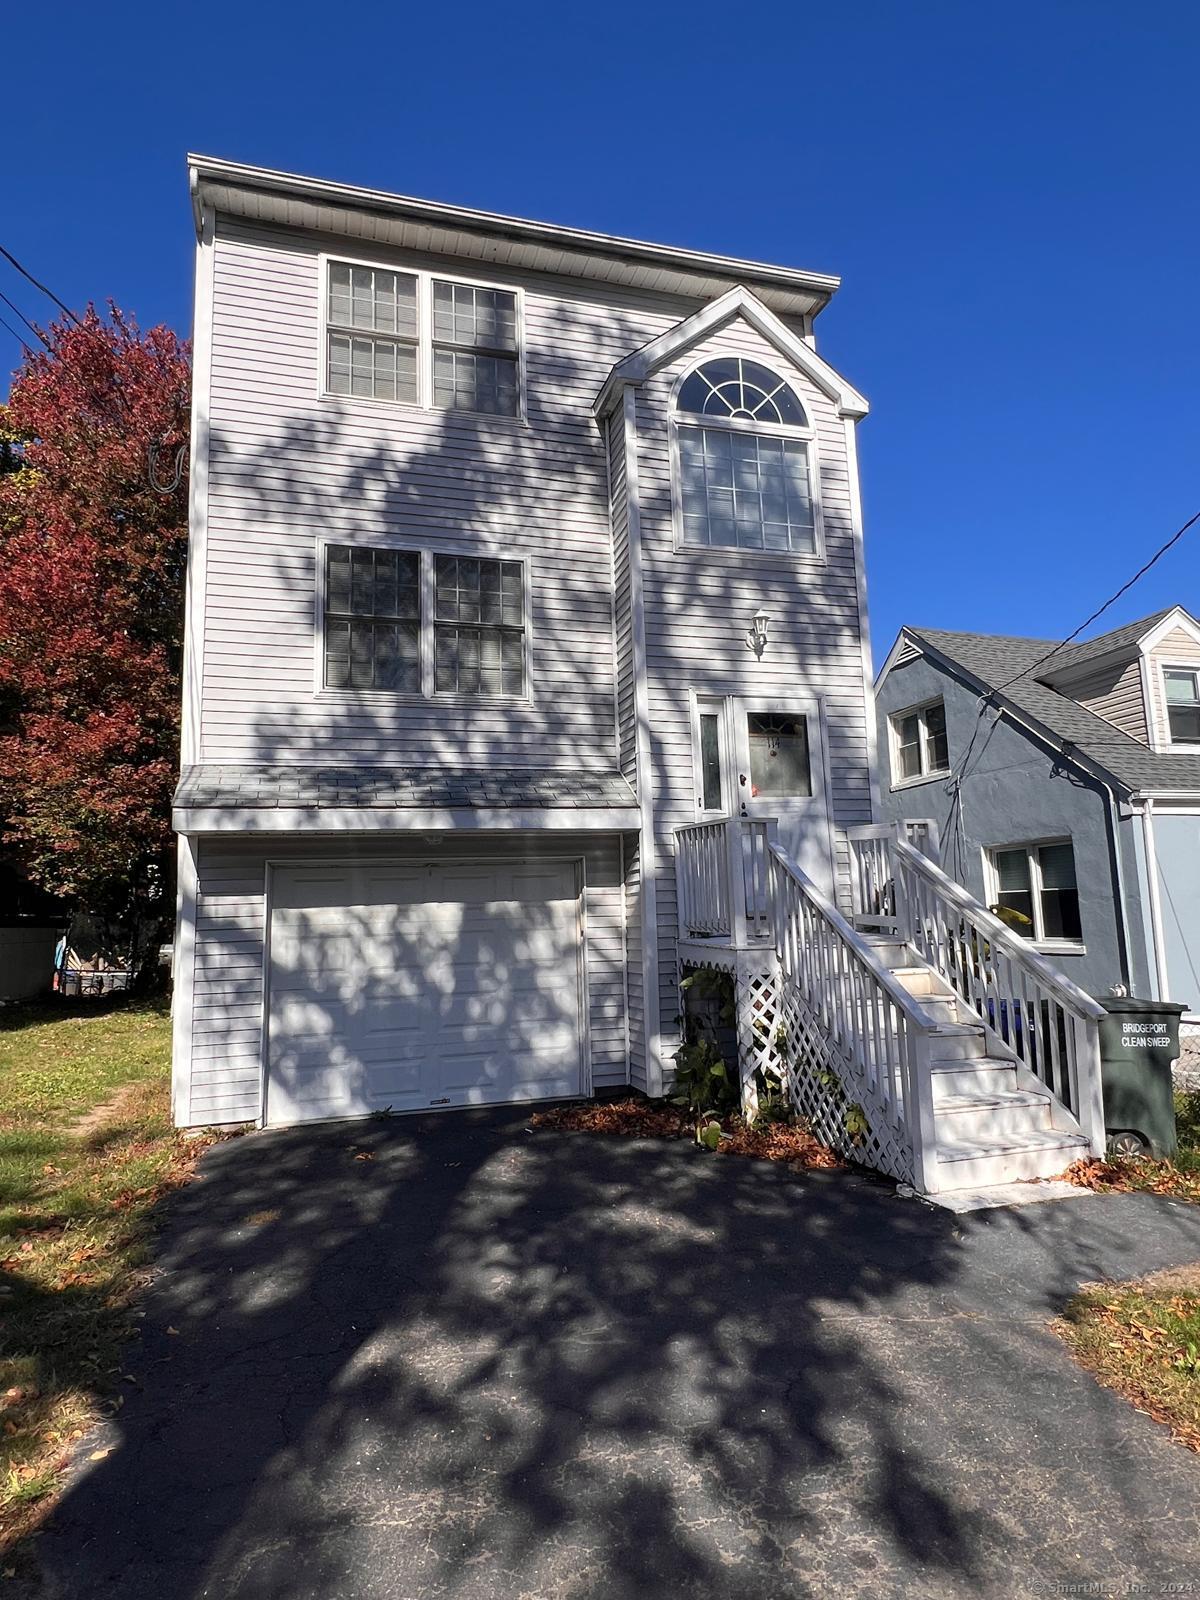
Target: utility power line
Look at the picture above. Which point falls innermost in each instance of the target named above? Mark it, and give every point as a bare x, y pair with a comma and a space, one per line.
25, 273
35, 331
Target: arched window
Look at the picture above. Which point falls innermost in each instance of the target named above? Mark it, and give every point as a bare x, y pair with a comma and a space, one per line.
744, 459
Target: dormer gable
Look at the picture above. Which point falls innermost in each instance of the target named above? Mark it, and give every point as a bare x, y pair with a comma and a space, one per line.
738, 303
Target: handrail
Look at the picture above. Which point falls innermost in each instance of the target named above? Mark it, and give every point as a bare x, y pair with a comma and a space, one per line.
884, 976
856, 1024
1000, 932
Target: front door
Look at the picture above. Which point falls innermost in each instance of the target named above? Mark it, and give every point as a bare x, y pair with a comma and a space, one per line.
766, 758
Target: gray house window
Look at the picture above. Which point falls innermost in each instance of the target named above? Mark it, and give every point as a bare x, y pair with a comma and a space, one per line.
1183, 704
919, 745
746, 478
479, 626
1036, 892
372, 619
376, 356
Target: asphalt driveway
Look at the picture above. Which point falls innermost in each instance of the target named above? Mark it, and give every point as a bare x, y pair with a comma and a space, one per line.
487, 1362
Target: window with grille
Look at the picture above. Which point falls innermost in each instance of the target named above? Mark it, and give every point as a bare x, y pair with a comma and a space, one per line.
745, 471
474, 349
372, 333
460, 353
479, 626
416, 622
372, 619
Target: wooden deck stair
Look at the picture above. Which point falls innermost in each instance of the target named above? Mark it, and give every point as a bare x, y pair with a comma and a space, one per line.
989, 1127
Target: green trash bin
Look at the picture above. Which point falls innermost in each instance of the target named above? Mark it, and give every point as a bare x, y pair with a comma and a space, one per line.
1139, 1041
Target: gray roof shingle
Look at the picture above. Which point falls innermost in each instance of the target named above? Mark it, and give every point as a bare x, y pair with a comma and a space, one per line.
993, 659
431, 788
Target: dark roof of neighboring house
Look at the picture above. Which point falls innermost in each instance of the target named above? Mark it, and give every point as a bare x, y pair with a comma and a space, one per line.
1077, 655
431, 788
992, 660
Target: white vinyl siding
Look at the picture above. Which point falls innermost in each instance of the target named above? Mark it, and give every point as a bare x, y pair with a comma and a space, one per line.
698, 604
287, 470
224, 1082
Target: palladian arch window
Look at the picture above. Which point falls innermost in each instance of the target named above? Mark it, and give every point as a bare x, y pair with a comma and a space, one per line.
745, 460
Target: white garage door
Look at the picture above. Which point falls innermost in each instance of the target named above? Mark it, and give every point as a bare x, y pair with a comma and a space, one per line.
416, 986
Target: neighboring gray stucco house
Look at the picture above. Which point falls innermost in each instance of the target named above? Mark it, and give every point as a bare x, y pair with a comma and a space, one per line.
1066, 790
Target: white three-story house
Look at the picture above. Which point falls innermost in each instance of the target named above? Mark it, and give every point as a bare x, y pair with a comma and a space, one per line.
526, 666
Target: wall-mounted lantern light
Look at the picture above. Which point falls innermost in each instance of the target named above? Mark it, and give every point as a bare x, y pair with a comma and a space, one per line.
756, 637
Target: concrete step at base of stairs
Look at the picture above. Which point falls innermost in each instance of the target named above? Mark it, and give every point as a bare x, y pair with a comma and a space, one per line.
968, 1118
1007, 1159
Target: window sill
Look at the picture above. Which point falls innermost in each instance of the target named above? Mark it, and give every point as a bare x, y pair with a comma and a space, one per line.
816, 557
916, 783
518, 421
375, 697
1059, 947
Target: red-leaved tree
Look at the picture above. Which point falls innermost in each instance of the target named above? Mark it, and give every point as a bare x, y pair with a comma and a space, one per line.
93, 546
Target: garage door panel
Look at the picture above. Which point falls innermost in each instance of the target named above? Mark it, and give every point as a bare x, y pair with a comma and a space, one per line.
419, 986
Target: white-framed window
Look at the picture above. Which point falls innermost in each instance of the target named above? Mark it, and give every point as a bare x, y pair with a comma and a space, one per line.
919, 746
422, 622
1032, 887
1181, 685
745, 464
416, 338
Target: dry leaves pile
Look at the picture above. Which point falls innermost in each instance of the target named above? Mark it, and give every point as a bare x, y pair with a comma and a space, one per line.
1141, 1340
1130, 1175
643, 1119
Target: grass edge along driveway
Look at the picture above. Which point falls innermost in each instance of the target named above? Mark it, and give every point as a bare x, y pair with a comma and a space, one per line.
87, 1152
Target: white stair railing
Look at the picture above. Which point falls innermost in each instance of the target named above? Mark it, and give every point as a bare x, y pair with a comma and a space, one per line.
721, 879
854, 1043
1044, 1019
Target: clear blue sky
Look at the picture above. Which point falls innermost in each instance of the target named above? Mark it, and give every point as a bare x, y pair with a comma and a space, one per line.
1009, 194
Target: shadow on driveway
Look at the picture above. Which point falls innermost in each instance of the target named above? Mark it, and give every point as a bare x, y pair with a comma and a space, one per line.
489, 1362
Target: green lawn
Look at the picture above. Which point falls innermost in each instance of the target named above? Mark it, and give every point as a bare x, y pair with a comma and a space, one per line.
86, 1153
1143, 1339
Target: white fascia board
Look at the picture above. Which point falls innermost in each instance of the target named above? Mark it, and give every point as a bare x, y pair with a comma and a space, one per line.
403, 819
205, 170
903, 641
636, 367
1176, 618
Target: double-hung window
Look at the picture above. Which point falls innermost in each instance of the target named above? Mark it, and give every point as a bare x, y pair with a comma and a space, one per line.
1182, 685
372, 619
372, 333
479, 626
1036, 892
417, 622
414, 339
919, 747
474, 349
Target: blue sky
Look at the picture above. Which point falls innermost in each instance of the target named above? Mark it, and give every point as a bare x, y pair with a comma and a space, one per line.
1008, 193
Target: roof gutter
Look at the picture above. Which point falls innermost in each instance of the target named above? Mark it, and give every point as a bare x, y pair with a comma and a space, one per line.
636, 251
